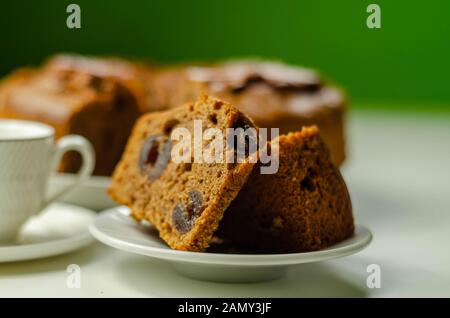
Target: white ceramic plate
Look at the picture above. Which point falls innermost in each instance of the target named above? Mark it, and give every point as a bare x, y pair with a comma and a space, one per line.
116, 228
59, 229
91, 194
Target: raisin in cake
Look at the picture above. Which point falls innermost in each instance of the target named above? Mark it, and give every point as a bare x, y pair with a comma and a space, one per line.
305, 206
101, 108
274, 95
185, 201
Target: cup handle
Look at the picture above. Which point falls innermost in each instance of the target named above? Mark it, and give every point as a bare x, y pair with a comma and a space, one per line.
85, 149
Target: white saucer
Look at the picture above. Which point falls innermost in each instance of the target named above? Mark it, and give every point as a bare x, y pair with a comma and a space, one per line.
91, 194
114, 227
59, 229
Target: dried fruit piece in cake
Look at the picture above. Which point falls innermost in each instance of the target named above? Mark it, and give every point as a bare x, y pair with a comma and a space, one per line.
305, 206
185, 201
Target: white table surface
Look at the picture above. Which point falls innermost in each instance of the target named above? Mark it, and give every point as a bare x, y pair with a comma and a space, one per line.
398, 174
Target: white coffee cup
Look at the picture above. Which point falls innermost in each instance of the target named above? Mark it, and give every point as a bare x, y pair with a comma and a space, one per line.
28, 155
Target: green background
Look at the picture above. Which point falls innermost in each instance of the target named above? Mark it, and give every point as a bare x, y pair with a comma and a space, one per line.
405, 64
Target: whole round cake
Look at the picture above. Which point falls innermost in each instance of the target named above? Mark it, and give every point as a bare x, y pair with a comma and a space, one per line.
273, 94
